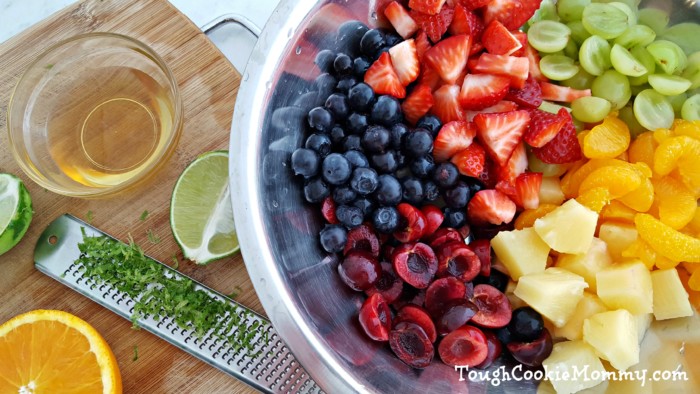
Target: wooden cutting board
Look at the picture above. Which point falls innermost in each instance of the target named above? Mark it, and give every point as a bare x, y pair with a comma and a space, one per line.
208, 84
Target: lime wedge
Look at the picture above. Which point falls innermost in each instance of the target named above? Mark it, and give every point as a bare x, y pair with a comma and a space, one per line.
15, 211
201, 215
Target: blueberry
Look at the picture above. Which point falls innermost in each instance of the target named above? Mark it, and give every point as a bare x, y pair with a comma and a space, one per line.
430, 123
431, 191
325, 84
349, 36
337, 104
360, 66
475, 185
316, 190
365, 204
375, 139
356, 123
385, 220
305, 162
454, 218
372, 41
388, 191
356, 158
364, 180
386, 162
342, 64
497, 279
422, 166
333, 238
397, 132
458, 196
418, 143
386, 111
349, 215
351, 142
343, 195
361, 97
392, 39
345, 84
320, 119
336, 169
320, 143
380, 51
337, 135
504, 335
324, 60
526, 324
412, 190
445, 175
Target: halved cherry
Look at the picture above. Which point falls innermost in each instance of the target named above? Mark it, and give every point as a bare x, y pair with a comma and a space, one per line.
434, 217
456, 259
410, 296
415, 263
494, 350
482, 248
466, 232
359, 270
414, 221
415, 314
494, 307
389, 285
532, 353
444, 235
375, 318
362, 237
465, 346
411, 345
441, 292
456, 314
328, 210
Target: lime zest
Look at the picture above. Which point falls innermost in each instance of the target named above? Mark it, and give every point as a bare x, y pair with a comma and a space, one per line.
144, 215
152, 237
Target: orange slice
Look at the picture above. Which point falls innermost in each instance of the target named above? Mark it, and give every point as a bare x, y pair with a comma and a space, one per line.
607, 140
667, 241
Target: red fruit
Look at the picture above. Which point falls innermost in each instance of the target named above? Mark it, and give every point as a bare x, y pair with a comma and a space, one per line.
422, 44
501, 106
533, 58
434, 25
529, 96
446, 106
494, 307
362, 237
516, 68
415, 264
517, 164
482, 249
359, 270
527, 187
473, 4
457, 260
417, 315
431, 78
498, 40
457, 313
564, 148
415, 223
532, 353
490, 206
470, 161
481, 91
411, 345
512, 13
465, 346
449, 57
500, 133
404, 58
441, 292
565, 94
410, 296
434, 218
383, 79
400, 19
444, 235
522, 39
388, 285
489, 176
452, 138
418, 103
375, 318
476, 50
328, 210
430, 7
495, 348
466, 22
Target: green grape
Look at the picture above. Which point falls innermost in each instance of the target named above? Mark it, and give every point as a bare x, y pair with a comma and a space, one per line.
669, 85
639, 88
558, 67
626, 114
640, 53
625, 63
633, 4
653, 111
691, 108
590, 109
685, 35
571, 10
548, 36
581, 81
547, 170
605, 20
594, 55
636, 35
550, 107
613, 87
578, 32
677, 102
571, 50
692, 71
654, 18
627, 9
668, 55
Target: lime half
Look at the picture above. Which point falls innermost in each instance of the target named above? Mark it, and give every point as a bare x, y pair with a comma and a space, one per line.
201, 215
15, 211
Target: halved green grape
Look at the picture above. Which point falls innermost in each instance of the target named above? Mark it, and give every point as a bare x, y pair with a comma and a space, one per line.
626, 114
546, 12
625, 63
594, 55
636, 35
639, 88
558, 67
640, 53
571, 10
590, 109
669, 85
677, 102
548, 106
578, 32
548, 36
571, 50
630, 10
691, 108
581, 81
685, 35
668, 55
634, 4
692, 71
613, 87
653, 17
547, 170
653, 111
605, 20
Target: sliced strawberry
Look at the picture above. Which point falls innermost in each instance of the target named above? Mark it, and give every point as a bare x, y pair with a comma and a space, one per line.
498, 40
476, 49
405, 61
564, 94
481, 91
529, 9
430, 7
328, 210
383, 79
418, 103
512, 13
529, 96
514, 67
422, 44
449, 57
470, 161
522, 39
544, 126
488, 176
466, 22
430, 77
434, 25
516, 165
473, 4
508, 188
400, 19
500, 133
452, 138
564, 148
490, 206
501, 106
527, 187
446, 106
533, 58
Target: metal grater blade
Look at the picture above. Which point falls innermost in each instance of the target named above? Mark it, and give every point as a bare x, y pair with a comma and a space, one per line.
271, 368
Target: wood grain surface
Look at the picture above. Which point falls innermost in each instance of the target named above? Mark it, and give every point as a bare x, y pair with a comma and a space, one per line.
208, 84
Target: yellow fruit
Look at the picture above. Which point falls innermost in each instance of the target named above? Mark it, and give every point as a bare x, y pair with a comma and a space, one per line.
521, 251
618, 237
587, 264
614, 336
694, 224
589, 305
607, 140
594, 199
687, 128
641, 198
682, 152
626, 286
643, 323
661, 135
527, 217
694, 281
554, 293
670, 297
550, 191
619, 180
617, 211
571, 182
667, 241
676, 204
571, 358
642, 149
642, 251
47, 351
663, 262
569, 228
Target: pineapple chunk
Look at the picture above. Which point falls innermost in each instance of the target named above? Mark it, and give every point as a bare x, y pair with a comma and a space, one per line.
554, 293
643, 322
613, 335
626, 286
569, 228
670, 298
577, 359
618, 236
550, 191
589, 305
521, 251
587, 265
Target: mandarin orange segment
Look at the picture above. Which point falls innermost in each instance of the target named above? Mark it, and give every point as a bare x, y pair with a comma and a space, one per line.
663, 262
660, 135
690, 267
642, 149
642, 251
618, 180
671, 150
618, 211
641, 198
677, 205
571, 182
694, 281
694, 223
667, 241
527, 217
595, 199
607, 140
687, 128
